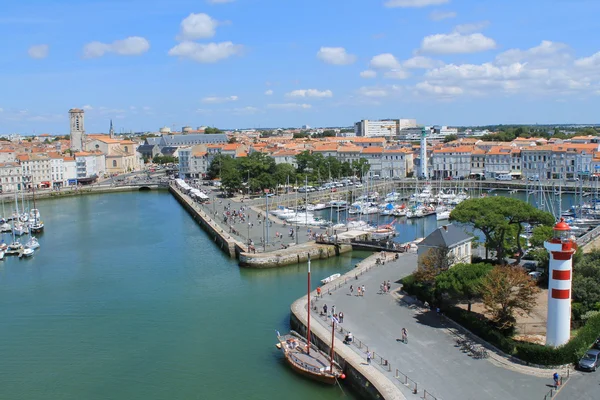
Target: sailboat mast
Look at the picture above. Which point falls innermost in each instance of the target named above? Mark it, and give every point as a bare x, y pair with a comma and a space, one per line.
306, 204
332, 340
308, 319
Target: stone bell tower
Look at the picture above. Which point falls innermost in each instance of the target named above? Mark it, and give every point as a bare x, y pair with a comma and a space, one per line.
77, 129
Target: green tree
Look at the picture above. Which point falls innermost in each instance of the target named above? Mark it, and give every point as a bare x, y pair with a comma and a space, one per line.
361, 167
586, 280
212, 130
540, 234
450, 138
500, 219
303, 160
462, 282
508, 291
300, 135
283, 172
231, 179
218, 163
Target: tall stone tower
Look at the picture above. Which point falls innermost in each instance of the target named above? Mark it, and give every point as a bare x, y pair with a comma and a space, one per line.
77, 129
111, 132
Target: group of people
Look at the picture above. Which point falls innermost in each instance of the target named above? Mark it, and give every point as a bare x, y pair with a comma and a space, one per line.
339, 317
385, 287
359, 289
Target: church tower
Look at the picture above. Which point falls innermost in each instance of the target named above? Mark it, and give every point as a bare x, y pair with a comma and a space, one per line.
111, 132
77, 129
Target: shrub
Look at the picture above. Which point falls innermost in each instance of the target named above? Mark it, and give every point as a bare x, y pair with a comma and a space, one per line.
417, 289
481, 327
569, 353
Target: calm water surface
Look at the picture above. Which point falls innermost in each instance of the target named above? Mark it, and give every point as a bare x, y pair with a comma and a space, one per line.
128, 298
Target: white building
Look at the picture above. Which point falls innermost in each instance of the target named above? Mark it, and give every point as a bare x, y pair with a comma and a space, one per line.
452, 162
383, 128
89, 165
70, 171
451, 239
35, 169
10, 177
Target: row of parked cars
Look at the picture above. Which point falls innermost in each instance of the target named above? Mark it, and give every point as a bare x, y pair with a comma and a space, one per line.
330, 186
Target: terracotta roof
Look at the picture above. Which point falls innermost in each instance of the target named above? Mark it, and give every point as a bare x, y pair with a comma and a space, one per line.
199, 154
458, 149
69, 158
373, 150
23, 157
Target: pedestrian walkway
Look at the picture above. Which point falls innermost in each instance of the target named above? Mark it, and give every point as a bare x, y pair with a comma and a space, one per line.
430, 358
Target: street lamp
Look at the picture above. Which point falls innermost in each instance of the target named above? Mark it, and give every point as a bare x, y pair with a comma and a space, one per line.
248, 233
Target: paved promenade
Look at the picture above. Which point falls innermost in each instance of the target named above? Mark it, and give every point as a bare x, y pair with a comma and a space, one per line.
430, 358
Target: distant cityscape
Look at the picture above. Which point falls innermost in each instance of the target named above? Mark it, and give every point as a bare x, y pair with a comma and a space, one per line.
393, 148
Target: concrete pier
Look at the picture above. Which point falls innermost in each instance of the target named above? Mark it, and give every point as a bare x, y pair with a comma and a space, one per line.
365, 380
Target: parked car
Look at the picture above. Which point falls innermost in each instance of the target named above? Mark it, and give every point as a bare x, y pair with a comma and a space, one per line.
448, 178
530, 266
534, 178
536, 275
589, 361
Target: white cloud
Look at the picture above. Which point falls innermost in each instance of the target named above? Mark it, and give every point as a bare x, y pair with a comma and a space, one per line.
456, 43
218, 100
38, 51
87, 107
368, 74
289, 106
373, 91
197, 26
206, 53
547, 54
384, 61
413, 3
310, 93
441, 15
335, 56
472, 27
592, 61
396, 74
131, 46
428, 88
246, 110
269, 92
420, 62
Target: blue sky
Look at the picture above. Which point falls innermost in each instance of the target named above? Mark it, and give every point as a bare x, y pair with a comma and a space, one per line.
282, 63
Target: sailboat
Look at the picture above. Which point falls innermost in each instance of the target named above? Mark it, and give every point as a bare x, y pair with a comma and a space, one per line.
307, 359
37, 226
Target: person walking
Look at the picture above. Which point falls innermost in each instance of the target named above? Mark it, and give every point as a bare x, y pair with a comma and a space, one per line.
404, 336
351, 290
363, 290
319, 291
359, 291
333, 309
556, 378
325, 309
341, 317
369, 357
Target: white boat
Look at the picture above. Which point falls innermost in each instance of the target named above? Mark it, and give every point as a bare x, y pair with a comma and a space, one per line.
5, 227
330, 278
383, 233
32, 243
27, 252
442, 215
20, 229
24, 217
15, 246
34, 214
319, 206
1, 255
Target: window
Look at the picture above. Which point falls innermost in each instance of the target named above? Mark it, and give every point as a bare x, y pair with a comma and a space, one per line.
126, 151
114, 163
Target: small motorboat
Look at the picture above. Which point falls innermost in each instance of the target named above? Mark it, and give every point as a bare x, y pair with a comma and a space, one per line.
1, 255
15, 246
443, 215
330, 278
27, 252
37, 227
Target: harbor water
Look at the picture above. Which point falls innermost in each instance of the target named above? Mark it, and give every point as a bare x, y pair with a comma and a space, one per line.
127, 298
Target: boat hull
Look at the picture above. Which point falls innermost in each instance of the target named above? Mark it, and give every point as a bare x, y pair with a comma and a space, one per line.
326, 379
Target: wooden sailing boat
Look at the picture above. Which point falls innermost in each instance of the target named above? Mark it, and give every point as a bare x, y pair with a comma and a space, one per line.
305, 358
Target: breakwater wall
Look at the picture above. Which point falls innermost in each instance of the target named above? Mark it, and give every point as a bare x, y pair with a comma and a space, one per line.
366, 381
221, 238
292, 255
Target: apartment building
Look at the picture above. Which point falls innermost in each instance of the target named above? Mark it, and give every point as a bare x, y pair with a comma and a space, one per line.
36, 170
193, 161
10, 177
383, 128
451, 161
497, 161
478, 162
536, 161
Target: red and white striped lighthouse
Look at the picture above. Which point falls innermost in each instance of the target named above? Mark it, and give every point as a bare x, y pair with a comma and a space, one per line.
561, 247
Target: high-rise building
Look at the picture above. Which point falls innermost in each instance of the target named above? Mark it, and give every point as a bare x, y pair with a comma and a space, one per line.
77, 129
383, 128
